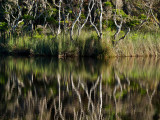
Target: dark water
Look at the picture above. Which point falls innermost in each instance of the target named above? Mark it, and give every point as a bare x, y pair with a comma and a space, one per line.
85, 89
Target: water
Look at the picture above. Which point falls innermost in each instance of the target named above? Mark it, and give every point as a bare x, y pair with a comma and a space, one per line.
73, 89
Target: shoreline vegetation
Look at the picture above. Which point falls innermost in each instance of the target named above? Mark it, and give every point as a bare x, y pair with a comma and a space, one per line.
92, 28
136, 44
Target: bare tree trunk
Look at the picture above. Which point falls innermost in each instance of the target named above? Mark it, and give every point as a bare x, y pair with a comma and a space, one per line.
77, 19
125, 34
118, 27
97, 31
88, 15
101, 18
155, 17
59, 28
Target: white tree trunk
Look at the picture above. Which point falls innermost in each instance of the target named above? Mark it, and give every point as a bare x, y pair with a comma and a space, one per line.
77, 19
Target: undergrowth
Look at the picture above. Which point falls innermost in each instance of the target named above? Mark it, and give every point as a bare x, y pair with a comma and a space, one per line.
86, 44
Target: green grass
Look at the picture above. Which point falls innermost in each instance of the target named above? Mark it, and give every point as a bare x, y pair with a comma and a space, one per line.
87, 44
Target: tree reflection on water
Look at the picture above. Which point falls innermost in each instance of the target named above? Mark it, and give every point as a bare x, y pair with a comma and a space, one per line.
79, 89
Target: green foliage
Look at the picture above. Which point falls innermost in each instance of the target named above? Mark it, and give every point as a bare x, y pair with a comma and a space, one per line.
52, 20
142, 17
3, 26
111, 24
121, 94
108, 4
120, 13
39, 30
28, 17
38, 36
133, 22
83, 16
134, 37
70, 11
21, 24
143, 91
54, 10
2, 79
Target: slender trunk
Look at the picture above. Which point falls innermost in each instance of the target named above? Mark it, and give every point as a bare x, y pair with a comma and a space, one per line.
59, 12
118, 27
1, 36
88, 15
77, 19
101, 18
4, 37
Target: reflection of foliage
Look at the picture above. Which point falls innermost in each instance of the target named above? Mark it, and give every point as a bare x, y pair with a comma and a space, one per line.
34, 83
2, 79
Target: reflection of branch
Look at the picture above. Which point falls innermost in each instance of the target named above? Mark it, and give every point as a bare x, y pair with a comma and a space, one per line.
93, 88
60, 104
128, 80
42, 105
94, 114
89, 98
78, 94
100, 112
151, 96
118, 81
115, 90
55, 109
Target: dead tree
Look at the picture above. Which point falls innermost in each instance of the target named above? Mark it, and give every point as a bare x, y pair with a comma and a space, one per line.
155, 19
148, 5
90, 7
35, 9
77, 19
150, 13
98, 31
59, 15
13, 19
118, 28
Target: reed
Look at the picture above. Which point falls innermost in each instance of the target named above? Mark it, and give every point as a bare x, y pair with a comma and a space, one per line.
86, 44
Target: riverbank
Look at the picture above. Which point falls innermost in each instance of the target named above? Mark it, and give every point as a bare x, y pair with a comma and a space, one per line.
87, 44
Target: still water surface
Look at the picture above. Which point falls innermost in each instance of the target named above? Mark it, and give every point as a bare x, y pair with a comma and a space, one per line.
79, 89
